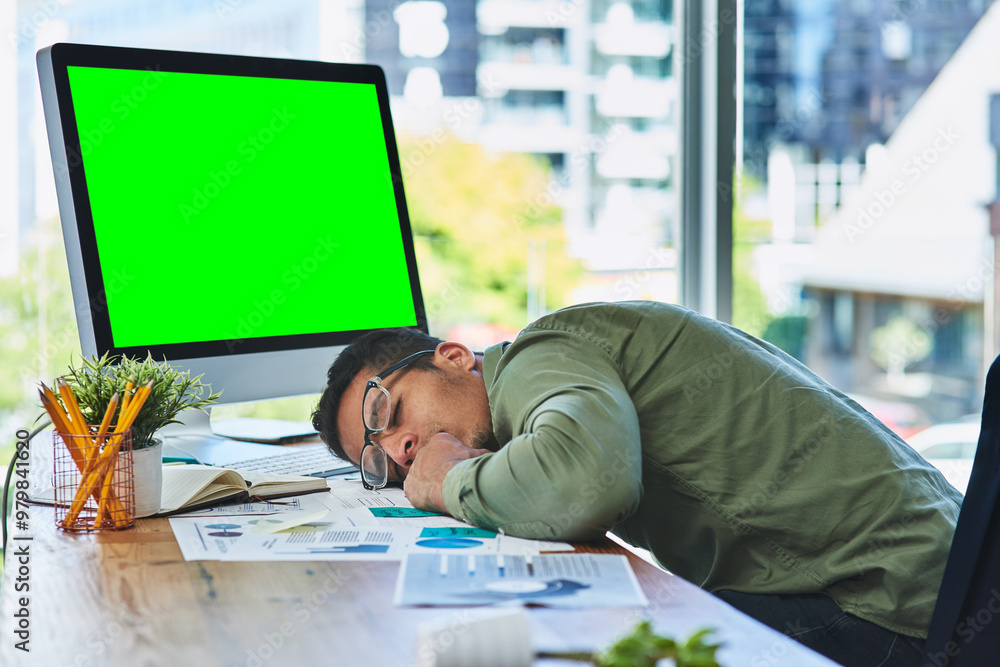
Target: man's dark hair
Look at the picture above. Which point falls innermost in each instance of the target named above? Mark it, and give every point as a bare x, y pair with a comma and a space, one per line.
369, 353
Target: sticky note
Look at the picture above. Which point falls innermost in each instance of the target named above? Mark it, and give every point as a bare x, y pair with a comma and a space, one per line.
400, 512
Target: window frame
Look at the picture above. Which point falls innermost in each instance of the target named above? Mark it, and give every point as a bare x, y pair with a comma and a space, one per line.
709, 89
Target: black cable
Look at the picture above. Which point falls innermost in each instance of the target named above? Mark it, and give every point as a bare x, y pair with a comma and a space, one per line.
21, 444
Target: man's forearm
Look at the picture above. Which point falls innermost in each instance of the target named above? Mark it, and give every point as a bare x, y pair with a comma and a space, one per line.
537, 490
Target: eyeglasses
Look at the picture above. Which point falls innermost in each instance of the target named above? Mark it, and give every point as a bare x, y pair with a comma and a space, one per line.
376, 408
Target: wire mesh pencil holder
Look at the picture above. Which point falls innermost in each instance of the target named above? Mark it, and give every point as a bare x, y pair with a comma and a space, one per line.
94, 481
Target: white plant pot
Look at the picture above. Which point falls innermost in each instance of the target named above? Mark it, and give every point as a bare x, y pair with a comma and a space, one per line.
147, 468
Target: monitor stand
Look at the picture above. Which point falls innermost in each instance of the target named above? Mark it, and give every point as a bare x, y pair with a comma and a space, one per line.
191, 436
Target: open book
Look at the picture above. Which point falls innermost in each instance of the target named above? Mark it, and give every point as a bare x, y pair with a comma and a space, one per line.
194, 486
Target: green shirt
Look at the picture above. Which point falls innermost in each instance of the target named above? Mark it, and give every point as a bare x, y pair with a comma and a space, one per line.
736, 466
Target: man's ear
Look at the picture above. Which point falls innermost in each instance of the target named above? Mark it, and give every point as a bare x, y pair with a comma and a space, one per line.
455, 354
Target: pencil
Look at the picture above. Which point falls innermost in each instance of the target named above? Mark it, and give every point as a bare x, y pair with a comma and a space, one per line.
72, 407
127, 396
51, 406
106, 491
126, 419
59, 418
106, 422
98, 471
108, 458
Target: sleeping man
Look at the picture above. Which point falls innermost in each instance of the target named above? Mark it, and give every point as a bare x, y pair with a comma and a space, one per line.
733, 464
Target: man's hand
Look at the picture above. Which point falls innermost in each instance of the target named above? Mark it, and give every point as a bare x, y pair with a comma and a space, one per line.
424, 484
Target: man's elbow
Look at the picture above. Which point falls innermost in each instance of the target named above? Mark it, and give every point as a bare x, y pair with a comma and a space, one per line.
588, 511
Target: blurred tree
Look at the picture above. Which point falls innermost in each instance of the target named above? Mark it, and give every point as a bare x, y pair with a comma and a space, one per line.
38, 332
490, 241
750, 310
788, 332
899, 344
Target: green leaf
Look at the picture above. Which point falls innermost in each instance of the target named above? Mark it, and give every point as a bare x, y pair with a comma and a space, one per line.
643, 648
95, 381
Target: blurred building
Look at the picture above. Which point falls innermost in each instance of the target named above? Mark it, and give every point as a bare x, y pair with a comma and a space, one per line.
426, 47
591, 87
826, 84
770, 78
880, 60
837, 76
907, 262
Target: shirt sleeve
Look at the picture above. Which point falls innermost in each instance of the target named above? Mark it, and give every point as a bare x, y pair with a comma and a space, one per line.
571, 467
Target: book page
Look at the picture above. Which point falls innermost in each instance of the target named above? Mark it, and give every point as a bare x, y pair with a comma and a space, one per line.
190, 484
266, 485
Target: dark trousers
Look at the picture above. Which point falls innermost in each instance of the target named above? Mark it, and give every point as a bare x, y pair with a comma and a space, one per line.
816, 621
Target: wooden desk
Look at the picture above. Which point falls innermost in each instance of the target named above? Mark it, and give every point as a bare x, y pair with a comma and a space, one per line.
129, 598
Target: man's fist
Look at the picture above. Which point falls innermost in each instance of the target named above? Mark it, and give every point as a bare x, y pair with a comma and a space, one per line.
424, 482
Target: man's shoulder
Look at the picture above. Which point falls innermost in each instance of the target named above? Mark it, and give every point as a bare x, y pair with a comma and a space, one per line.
597, 315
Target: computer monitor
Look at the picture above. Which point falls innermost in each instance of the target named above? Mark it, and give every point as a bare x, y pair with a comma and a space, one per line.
240, 217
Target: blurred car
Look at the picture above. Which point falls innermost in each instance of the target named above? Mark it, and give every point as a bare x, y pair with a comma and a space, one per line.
950, 447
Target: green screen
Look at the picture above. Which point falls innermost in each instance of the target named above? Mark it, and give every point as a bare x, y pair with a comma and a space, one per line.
229, 207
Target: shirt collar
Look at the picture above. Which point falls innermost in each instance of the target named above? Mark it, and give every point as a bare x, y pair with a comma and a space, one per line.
491, 359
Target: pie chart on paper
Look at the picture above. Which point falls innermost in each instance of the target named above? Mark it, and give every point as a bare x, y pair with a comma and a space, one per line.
449, 543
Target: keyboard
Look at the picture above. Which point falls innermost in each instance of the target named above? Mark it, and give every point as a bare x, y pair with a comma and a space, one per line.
310, 460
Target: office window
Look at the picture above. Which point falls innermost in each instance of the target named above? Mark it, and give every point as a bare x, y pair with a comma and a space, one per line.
860, 210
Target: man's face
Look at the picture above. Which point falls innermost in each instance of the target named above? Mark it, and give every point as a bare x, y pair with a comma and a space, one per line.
423, 402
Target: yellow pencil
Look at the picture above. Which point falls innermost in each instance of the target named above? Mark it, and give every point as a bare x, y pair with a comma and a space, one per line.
60, 421
126, 419
104, 463
51, 406
72, 407
102, 432
106, 422
127, 397
97, 472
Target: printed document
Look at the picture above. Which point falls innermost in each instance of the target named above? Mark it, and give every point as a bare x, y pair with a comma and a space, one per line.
554, 580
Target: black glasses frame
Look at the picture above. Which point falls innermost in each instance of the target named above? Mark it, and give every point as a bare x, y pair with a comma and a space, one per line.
373, 383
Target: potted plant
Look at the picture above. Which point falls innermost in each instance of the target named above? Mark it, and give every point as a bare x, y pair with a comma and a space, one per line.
96, 380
